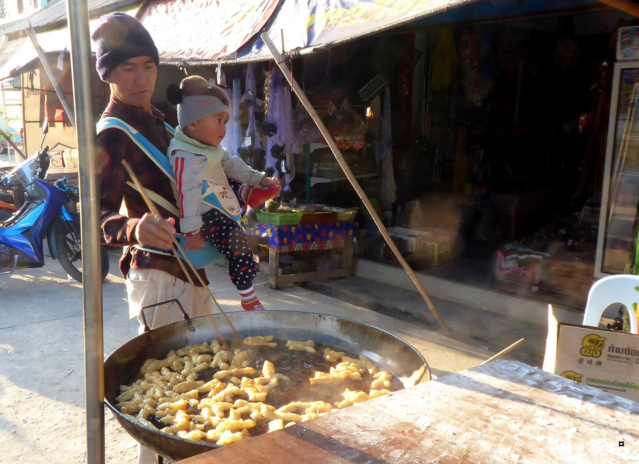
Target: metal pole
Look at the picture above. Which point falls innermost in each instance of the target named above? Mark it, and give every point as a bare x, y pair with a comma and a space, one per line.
279, 60
81, 62
47, 69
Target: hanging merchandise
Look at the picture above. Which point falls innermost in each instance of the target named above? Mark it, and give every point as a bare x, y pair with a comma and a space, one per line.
305, 129
274, 147
352, 128
251, 150
233, 138
221, 77
443, 60
279, 128
375, 120
389, 188
286, 135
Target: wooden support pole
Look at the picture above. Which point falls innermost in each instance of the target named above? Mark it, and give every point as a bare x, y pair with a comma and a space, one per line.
504, 351
279, 60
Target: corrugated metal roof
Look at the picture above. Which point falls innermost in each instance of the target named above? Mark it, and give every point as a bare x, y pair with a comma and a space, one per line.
54, 15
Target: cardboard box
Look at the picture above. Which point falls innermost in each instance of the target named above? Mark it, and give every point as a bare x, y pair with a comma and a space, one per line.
604, 359
571, 276
412, 238
436, 247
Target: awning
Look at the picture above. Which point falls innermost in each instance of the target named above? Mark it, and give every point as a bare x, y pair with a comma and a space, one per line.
204, 30
18, 56
309, 25
228, 29
55, 15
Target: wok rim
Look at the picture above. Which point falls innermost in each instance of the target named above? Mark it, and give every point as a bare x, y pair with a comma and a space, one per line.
424, 376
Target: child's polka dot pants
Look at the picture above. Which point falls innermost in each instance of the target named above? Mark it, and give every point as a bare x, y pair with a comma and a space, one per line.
229, 239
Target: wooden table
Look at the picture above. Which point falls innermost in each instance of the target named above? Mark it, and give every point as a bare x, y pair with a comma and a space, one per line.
306, 238
504, 412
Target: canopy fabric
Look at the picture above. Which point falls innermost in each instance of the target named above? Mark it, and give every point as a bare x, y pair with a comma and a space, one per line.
309, 24
55, 15
227, 30
208, 29
18, 55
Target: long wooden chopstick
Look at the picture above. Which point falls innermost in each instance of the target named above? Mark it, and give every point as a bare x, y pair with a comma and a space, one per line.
504, 351
177, 245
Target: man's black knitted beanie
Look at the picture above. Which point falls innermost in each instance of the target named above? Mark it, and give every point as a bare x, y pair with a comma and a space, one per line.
118, 38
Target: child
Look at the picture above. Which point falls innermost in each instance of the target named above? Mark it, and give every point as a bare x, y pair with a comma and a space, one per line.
196, 157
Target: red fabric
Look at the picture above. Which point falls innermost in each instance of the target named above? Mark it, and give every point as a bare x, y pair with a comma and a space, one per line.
257, 196
59, 115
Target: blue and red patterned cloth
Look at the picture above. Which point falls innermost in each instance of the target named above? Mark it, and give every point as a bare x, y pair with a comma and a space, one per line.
305, 237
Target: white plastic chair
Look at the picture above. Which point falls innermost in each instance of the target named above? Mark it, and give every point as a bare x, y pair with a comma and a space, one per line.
610, 290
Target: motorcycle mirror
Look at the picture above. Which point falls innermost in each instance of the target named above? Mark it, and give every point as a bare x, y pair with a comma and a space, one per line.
45, 126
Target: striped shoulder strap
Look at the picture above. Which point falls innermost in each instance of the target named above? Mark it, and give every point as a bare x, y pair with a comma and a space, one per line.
159, 158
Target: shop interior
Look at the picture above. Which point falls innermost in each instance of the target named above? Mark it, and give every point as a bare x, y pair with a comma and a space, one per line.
507, 165
481, 144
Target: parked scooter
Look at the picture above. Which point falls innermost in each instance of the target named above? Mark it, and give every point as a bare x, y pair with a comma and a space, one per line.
43, 214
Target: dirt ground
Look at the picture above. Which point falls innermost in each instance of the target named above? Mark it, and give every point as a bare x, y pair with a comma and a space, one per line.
42, 415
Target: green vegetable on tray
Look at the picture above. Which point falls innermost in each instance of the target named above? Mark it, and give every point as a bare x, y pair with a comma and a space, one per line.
272, 205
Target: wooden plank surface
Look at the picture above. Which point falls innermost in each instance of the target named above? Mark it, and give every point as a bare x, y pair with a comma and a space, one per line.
503, 412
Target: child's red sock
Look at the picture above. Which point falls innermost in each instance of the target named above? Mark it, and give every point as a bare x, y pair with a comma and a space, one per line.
249, 300
257, 196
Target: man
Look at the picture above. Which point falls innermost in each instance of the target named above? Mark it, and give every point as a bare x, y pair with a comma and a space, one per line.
127, 59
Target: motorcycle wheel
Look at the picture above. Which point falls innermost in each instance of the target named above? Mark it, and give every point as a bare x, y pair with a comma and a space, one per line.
69, 250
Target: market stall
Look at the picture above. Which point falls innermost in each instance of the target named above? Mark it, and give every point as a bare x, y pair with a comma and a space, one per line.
322, 240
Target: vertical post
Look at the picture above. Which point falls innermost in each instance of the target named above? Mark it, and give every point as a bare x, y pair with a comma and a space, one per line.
81, 62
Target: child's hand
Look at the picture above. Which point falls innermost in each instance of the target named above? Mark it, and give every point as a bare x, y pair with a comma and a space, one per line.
194, 242
269, 182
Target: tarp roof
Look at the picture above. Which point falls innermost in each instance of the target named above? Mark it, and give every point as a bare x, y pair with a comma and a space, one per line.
18, 55
54, 15
205, 30
221, 30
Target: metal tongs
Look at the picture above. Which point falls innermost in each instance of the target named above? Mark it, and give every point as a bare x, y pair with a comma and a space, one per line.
175, 247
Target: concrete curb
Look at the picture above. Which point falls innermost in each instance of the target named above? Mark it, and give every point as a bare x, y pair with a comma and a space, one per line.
523, 309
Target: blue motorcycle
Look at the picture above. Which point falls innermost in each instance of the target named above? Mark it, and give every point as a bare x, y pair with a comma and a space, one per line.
44, 213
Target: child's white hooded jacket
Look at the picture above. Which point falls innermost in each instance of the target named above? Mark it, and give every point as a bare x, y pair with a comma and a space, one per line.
195, 164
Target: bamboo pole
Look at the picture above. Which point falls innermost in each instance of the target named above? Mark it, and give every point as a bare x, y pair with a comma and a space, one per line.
279, 60
504, 351
177, 245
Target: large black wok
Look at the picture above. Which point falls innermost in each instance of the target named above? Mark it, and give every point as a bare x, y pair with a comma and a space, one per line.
122, 366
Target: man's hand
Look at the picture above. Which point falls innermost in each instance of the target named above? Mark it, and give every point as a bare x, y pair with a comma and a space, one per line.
269, 182
155, 231
194, 242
